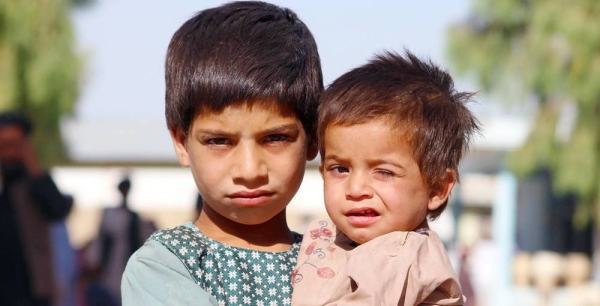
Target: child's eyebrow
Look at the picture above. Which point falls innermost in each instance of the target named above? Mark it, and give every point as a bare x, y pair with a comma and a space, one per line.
285, 128
281, 129
213, 133
334, 158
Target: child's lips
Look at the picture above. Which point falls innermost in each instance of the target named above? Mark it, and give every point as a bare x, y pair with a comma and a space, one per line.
250, 198
362, 216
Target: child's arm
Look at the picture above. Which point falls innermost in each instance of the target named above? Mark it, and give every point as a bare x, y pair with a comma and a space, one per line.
154, 276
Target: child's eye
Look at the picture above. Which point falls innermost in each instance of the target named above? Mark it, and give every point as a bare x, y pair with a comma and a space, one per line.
277, 138
218, 141
385, 173
339, 169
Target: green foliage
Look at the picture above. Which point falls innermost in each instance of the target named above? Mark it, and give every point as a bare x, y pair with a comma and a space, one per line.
82, 3
39, 70
551, 48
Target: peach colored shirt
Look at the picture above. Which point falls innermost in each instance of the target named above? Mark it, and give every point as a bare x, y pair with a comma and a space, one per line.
399, 268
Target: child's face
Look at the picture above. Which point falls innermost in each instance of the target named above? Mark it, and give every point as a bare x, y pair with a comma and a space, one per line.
373, 185
248, 161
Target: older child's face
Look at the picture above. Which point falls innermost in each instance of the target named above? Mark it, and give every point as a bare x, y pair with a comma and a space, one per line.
373, 185
248, 161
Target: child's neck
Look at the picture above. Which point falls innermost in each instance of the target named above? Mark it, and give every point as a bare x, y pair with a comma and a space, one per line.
271, 236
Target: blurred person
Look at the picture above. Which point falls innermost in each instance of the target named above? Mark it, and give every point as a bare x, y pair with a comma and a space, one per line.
86, 275
391, 136
29, 202
464, 277
65, 262
121, 233
482, 274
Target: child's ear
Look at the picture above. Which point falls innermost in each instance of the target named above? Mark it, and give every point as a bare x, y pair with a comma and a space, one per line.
441, 194
312, 150
179, 139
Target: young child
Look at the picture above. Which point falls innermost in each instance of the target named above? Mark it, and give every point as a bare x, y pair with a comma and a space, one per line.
391, 136
243, 83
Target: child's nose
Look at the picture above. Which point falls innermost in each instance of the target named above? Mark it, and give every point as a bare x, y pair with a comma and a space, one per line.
249, 163
358, 186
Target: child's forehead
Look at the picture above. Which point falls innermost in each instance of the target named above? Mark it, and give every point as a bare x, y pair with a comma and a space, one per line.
270, 105
393, 126
402, 131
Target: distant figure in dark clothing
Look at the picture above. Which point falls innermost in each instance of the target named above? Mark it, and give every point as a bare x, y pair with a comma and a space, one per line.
121, 233
29, 202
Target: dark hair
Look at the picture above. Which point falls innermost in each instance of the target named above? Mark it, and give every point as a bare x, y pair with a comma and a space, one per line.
124, 184
417, 98
239, 52
18, 119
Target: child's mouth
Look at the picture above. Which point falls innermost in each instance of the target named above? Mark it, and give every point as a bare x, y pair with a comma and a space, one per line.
363, 212
362, 216
251, 198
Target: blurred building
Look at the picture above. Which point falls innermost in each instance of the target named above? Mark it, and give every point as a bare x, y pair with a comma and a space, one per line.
522, 246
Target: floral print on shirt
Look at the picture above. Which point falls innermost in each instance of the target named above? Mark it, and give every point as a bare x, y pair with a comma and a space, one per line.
234, 276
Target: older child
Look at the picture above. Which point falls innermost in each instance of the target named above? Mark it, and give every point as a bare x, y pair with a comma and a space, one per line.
243, 82
392, 133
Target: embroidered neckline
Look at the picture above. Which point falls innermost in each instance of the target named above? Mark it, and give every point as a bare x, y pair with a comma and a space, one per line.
293, 247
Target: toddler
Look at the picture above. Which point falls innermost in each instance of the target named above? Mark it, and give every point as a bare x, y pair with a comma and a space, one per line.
391, 135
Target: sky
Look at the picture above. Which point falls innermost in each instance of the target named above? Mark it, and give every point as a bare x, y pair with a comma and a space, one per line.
120, 113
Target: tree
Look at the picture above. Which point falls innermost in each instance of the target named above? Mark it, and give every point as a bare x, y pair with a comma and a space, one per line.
39, 68
549, 49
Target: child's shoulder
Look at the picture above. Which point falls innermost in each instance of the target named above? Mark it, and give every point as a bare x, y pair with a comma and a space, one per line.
184, 241
179, 235
411, 245
425, 239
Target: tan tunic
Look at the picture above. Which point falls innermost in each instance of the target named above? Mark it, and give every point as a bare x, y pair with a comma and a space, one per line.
399, 268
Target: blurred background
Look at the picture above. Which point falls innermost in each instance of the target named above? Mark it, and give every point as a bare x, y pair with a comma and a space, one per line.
521, 227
